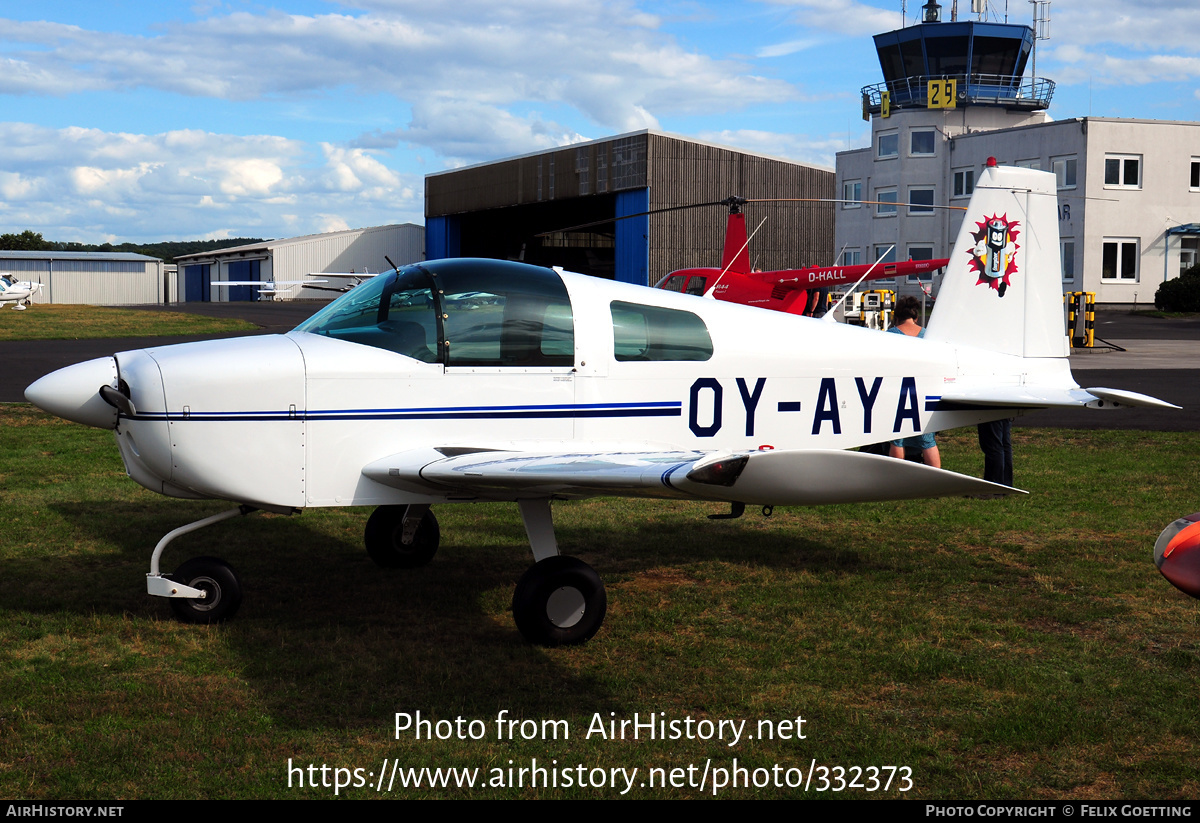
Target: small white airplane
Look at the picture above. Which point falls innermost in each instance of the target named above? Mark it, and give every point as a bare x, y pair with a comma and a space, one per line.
18, 292
315, 281
461, 380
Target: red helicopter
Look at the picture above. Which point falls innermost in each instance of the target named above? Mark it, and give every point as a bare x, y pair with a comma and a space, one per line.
785, 290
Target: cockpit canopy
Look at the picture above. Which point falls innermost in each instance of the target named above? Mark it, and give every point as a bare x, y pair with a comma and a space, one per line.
458, 312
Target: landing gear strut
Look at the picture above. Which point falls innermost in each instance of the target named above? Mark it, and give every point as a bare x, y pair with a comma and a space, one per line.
203, 589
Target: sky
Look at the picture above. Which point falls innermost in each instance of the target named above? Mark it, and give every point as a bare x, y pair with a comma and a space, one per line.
147, 120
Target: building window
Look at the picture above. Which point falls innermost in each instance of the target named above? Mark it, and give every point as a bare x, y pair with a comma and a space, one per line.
1064, 171
1195, 184
1123, 171
1067, 256
1029, 164
1120, 261
852, 257
920, 252
964, 182
885, 253
922, 143
888, 145
1189, 252
885, 205
920, 201
582, 167
852, 193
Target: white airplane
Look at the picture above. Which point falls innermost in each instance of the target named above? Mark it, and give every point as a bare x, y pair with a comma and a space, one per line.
18, 292
316, 281
403, 395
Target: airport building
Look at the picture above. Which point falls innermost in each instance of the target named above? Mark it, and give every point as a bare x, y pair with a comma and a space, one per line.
583, 207
1128, 190
296, 258
95, 278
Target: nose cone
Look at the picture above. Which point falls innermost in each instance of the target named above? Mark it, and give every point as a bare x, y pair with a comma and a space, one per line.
73, 393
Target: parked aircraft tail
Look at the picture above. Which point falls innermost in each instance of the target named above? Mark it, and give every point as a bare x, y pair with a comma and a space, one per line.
1003, 287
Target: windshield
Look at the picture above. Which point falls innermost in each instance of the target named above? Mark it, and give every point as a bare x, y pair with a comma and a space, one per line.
458, 312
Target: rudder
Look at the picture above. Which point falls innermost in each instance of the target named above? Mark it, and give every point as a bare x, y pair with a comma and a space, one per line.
1003, 287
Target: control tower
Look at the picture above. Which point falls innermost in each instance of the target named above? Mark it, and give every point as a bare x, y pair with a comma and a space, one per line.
944, 84
984, 62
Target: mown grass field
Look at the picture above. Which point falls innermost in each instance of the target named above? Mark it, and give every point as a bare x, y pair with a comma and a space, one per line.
52, 321
1021, 648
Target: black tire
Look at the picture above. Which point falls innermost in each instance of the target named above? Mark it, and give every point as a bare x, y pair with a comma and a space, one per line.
218, 579
382, 537
559, 601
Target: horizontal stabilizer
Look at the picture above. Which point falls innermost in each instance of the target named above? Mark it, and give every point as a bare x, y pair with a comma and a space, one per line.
803, 478
1118, 397
1042, 397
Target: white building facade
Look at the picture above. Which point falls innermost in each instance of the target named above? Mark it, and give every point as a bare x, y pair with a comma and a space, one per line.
954, 94
1129, 193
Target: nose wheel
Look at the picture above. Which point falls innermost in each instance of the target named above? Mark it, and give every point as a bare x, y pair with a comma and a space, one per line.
559, 601
217, 581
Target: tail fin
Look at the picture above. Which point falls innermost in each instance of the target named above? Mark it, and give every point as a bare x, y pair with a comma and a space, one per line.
736, 257
1003, 287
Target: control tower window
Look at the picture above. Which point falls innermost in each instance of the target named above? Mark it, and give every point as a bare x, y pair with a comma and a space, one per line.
888, 145
851, 193
923, 143
921, 202
885, 202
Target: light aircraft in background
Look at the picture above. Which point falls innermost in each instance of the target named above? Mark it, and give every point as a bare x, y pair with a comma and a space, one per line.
404, 395
18, 292
316, 281
785, 290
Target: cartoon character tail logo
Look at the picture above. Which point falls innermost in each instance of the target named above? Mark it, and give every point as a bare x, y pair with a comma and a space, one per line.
994, 256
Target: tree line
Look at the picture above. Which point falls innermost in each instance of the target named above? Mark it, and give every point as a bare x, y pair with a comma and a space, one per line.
167, 250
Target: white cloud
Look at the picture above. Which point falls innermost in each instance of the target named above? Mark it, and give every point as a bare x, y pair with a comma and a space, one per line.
83, 184
845, 17
802, 148
607, 61
472, 132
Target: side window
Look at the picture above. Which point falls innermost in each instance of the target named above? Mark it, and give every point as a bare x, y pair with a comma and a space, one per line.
650, 333
497, 313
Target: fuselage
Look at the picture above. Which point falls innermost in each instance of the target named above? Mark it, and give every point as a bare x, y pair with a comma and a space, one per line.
291, 420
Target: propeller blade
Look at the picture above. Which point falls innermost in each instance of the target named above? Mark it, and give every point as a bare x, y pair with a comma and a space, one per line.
118, 401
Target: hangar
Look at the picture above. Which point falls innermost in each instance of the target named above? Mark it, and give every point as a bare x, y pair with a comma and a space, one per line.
95, 278
353, 250
500, 209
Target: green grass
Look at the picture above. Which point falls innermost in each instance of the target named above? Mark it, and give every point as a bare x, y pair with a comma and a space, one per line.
52, 321
1021, 648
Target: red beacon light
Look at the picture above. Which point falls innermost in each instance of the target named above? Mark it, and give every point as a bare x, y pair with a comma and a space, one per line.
991, 162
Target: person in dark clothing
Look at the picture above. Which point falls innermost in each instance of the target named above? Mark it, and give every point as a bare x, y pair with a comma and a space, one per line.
995, 440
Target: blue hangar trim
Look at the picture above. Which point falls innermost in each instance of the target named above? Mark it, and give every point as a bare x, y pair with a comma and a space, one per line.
657, 409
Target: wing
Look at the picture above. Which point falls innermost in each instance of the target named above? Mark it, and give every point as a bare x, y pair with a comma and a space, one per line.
1035, 397
803, 478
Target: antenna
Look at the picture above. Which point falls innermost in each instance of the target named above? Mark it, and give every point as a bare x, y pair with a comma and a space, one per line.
1041, 27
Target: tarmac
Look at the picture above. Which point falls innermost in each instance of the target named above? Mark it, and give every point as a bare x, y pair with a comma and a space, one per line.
1156, 356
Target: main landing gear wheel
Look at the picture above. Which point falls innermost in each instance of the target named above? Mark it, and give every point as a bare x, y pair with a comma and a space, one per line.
384, 538
559, 601
219, 582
